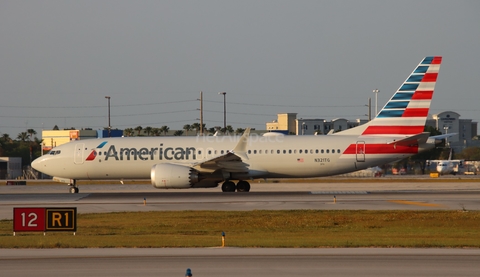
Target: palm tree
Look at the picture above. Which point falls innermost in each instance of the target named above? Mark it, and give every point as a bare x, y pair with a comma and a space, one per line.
138, 129
148, 129
164, 129
230, 129
31, 133
187, 127
6, 138
178, 133
22, 136
239, 131
128, 132
212, 130
156, 132
196, 126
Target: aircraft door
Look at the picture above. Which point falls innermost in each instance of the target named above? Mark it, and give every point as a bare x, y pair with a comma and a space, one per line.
78, 155
360, 151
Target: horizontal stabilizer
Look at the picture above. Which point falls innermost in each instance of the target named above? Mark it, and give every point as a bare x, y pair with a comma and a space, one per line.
412, 140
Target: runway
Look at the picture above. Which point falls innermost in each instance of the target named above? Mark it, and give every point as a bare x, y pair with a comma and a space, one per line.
233, 262
284, 196
214, 262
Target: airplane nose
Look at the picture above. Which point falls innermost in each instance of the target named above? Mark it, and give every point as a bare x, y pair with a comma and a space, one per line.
37, 164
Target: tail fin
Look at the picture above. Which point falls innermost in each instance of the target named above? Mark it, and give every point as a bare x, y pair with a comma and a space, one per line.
406, 112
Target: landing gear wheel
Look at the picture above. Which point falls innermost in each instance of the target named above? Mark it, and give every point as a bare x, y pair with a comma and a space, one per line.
229, 186
243, 186
73, 189
73, 186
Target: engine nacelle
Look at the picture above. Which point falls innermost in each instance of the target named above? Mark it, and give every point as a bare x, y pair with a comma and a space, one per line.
165, 176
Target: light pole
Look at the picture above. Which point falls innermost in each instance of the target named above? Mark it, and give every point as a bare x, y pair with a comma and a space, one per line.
109, 127
446, 133
224, 110
376, 91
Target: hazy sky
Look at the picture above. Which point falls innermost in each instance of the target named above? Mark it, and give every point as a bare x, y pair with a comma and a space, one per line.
320, 59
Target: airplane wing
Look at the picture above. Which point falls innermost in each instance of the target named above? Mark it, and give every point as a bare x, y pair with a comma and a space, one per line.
233, 161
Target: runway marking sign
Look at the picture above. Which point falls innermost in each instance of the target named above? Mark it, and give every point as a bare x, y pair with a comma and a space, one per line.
28, 219
44, 219
61, 219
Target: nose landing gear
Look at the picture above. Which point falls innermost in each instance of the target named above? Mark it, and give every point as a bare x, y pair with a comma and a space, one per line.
73, 187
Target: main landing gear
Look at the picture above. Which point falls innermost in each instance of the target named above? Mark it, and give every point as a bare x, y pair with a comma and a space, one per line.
73, 187
241, 186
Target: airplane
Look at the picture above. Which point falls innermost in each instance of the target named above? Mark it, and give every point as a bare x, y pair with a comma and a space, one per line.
446, 166
206, 161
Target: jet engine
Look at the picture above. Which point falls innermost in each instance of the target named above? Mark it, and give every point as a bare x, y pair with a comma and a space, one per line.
172, 176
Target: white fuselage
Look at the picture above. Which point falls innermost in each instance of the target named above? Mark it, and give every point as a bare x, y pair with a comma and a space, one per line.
268, 157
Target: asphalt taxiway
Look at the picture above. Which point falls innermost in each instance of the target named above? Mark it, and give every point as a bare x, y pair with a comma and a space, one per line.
233, 262
264, 196
244, 261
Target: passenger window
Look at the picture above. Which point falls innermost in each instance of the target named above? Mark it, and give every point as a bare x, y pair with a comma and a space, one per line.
290, 151
249, 151
321, 151
284, 151
316, 151
328, 151
300, 151
278, 151
221, 152
254, 151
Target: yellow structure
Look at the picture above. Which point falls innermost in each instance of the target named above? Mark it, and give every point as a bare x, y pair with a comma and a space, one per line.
285, 122
53, 138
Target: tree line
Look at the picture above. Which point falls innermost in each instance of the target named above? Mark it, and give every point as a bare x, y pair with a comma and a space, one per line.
27, 146
187, 130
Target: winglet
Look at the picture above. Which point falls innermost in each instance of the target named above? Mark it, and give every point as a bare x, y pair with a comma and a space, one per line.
240, 149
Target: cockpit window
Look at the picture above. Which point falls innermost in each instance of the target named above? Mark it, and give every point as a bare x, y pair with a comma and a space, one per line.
56, 152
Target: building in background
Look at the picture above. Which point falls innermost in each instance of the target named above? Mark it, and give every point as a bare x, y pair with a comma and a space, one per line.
53, 138
10, 167
288, 124
447, 122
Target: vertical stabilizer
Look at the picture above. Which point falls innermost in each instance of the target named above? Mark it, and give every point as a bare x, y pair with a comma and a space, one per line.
406, 112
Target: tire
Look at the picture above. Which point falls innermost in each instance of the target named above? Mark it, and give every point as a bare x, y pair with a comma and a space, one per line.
243, 186
229, 186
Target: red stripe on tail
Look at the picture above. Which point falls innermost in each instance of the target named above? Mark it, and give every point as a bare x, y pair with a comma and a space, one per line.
415, 112
393, 130
430, 77
437, 60
423, 95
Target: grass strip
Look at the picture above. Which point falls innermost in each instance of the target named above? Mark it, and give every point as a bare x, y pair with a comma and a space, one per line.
295, 228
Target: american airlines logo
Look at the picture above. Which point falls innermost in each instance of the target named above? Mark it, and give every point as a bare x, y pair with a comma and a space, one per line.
93, 154
154, 153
